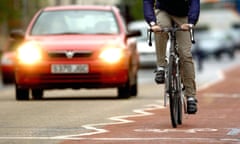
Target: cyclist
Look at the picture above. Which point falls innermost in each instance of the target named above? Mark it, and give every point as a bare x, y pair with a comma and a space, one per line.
161, 13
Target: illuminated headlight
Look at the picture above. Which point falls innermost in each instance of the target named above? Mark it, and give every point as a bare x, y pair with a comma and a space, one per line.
111, 55
29, 53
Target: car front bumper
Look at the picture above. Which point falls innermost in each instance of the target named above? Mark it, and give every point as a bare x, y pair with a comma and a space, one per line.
99, 76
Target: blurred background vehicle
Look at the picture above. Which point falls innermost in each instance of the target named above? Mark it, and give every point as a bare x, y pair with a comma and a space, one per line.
217, 31
147, 54
7, 67
7, 62
76, 47
235, 32
214, 43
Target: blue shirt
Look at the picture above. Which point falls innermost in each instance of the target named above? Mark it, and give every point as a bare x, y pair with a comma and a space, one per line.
173, 8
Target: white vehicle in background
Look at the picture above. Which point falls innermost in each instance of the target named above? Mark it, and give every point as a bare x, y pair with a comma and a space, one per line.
215, 43
221, 37
147, 53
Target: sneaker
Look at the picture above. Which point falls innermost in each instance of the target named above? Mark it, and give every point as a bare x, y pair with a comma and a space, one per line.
160, 76
191, 105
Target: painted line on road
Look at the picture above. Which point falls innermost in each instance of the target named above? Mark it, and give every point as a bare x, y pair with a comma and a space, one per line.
210, 140
220, 76
193, 130
234, 131
118, 120
221, 95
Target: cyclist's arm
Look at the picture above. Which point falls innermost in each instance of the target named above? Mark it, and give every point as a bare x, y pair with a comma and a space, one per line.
148, 9
194, 10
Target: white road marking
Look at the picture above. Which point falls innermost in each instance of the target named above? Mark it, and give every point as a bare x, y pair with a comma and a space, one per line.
195, 130
117, 120
234, 131
220, 76
220, 95
125, 139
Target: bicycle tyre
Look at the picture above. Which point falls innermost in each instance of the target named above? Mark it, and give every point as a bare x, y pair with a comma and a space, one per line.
179, 97
179, 120
172, 87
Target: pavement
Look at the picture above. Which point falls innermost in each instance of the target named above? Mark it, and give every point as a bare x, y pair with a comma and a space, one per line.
217, 120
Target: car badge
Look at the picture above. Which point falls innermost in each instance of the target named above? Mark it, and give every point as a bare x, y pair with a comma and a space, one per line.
69, 54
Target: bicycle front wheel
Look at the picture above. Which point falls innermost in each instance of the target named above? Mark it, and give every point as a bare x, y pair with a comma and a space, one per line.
173, 90
179, 101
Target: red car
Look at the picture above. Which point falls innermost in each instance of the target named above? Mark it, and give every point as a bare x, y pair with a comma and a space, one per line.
76, 47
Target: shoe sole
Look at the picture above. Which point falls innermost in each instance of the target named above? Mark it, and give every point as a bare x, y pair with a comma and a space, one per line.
192, 110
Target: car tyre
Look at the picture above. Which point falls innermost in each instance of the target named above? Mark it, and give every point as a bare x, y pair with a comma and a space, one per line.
134, 87
37, 94
124, 91
7, 80
218, 56
22, 93
231, 55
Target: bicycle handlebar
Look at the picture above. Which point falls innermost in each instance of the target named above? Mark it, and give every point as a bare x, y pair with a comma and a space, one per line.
171, 30
191, 30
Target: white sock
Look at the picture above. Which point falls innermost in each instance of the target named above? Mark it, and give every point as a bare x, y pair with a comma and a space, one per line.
160, 68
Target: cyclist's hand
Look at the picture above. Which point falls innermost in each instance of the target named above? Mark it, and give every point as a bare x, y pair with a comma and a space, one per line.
186, 26
156, 28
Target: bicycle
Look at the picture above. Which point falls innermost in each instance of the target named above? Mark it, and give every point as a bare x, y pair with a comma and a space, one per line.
173, 82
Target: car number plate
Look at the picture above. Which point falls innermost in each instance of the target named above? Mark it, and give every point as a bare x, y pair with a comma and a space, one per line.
69, 68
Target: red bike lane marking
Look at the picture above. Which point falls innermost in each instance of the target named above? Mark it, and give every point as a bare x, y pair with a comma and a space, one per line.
217, 120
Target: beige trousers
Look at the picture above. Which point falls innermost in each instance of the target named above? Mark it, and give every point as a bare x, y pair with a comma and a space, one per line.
184, 44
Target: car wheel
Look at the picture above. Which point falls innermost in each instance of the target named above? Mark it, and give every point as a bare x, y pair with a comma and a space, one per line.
7, 80
231, 55
22, 93
218, 56
37, 94
124, 91
134, 87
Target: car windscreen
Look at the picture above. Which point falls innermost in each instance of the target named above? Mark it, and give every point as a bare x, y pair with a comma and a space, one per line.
75, 22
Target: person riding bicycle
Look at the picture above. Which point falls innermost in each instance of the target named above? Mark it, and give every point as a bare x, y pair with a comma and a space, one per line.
185, 13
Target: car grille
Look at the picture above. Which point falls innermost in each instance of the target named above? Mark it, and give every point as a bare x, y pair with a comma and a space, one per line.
70, 54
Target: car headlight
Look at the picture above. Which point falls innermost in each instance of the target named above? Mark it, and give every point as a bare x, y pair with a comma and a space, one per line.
29, 53
112, 55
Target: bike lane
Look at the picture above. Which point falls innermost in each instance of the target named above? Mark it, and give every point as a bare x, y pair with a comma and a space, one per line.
217, 121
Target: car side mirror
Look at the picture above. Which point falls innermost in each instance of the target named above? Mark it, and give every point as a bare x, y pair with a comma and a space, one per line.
134, 33
17, 34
